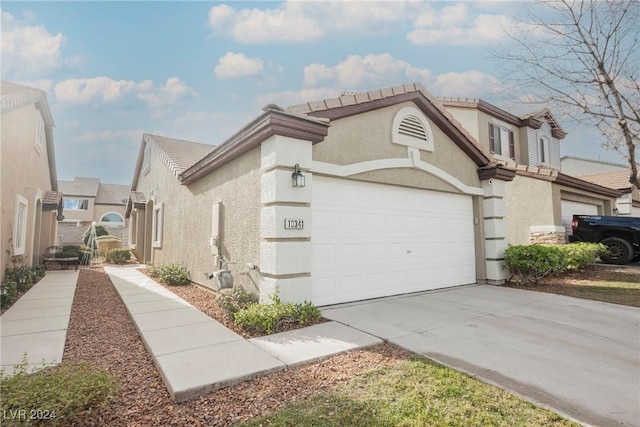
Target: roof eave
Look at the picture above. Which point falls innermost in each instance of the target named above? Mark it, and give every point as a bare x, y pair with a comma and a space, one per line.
272, 122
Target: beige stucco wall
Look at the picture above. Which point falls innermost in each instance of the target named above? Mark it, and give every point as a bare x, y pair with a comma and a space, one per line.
188, 211
468, 118
25, 172
81, 214
529, 203
100, 210
367, 136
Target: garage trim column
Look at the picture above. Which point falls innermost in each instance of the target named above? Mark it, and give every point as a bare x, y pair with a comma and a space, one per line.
285, 250
494, 209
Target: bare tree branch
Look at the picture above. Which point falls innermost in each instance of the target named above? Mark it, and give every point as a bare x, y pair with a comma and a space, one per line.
583, 55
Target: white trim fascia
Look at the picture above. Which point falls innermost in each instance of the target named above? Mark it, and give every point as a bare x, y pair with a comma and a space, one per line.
372, 165
546, 229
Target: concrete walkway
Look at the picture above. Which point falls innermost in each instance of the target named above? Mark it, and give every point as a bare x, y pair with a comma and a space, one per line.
580, 358
196, 354
37, 323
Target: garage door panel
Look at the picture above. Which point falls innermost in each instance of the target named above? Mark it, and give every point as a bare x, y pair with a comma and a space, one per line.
377, 240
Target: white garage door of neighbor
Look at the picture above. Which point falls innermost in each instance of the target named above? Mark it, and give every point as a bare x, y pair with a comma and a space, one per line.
635, 211
569, 209
373, 240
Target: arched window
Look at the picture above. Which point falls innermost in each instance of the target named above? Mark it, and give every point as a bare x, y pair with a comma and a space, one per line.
411, 128
112, 218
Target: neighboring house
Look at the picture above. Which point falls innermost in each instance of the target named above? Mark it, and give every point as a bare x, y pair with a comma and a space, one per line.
607, 174
541, 200
578, 166
629, 202
397, 198
30, 204
87, 200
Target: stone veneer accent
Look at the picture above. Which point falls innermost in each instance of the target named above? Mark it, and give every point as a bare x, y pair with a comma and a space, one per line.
547, 235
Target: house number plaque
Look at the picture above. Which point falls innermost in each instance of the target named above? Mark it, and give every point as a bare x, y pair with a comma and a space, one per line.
293, 224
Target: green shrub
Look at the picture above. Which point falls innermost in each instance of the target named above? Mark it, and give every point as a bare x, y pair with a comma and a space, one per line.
9, 293
118, 256
171, 274
65, 393
107, 243
531, 263
269, 318
100, 231
580, 254
236, 300
66, 254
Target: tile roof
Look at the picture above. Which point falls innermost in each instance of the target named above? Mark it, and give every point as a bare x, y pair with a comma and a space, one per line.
179, 154
14, 95
347, 99
618, 180
80, 186
51, 200
112, 194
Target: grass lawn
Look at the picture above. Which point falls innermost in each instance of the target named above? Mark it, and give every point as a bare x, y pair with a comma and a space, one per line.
414, 393
618, 285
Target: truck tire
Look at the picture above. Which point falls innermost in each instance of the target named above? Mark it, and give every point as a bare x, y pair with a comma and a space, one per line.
620, 251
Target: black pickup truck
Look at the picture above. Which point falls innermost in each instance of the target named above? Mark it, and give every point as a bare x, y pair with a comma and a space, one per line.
620, 234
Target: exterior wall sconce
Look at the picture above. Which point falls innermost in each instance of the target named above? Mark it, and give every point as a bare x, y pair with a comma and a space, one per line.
297, 177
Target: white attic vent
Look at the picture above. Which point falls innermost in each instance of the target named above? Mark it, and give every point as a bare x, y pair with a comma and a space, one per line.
411, 128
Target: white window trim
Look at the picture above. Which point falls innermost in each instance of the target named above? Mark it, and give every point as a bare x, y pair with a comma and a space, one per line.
41, 135
545, 141
76, 210
20, 236
401, 139
120, 223
156, 231
504, 145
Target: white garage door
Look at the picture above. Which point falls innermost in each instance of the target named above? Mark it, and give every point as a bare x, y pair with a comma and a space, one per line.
570, 208
373, 240
635, 211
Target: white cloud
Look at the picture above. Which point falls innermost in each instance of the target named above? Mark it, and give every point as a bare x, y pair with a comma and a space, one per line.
454, 25
109, 135
233, 65
105, 89
291, 97
42, 84
190, 118
298, 21
356, 71
469, 83
31, 50
166, 95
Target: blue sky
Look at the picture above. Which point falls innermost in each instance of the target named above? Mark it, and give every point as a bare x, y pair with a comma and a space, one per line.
201, 70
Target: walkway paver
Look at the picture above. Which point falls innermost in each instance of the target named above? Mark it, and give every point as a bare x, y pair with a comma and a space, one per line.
195, 354
36, 325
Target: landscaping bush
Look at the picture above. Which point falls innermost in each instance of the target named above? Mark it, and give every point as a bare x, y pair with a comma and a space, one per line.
9, 293
100, 231
270, 318
107, 243
530, 263
57, 395
67, 254
117, 256
236, 300
171, 274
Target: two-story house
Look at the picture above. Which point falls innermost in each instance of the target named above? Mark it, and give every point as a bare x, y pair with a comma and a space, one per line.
30, 204
87, 200
541, 200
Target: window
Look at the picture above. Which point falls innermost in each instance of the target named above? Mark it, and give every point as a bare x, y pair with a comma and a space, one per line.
543, 150
112, 218
20, 231
76, 204
41, 136
156, 232
501, 141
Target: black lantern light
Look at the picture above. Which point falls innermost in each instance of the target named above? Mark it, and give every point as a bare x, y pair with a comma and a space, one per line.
297, 177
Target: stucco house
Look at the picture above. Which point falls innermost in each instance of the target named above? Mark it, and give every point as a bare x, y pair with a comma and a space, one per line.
607, 174
87, 200
30, 203
541, 200
397, 197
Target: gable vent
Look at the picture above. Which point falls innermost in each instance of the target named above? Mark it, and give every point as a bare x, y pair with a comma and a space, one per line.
411, 126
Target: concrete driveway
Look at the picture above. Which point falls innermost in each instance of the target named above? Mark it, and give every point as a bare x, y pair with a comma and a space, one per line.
578, 357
